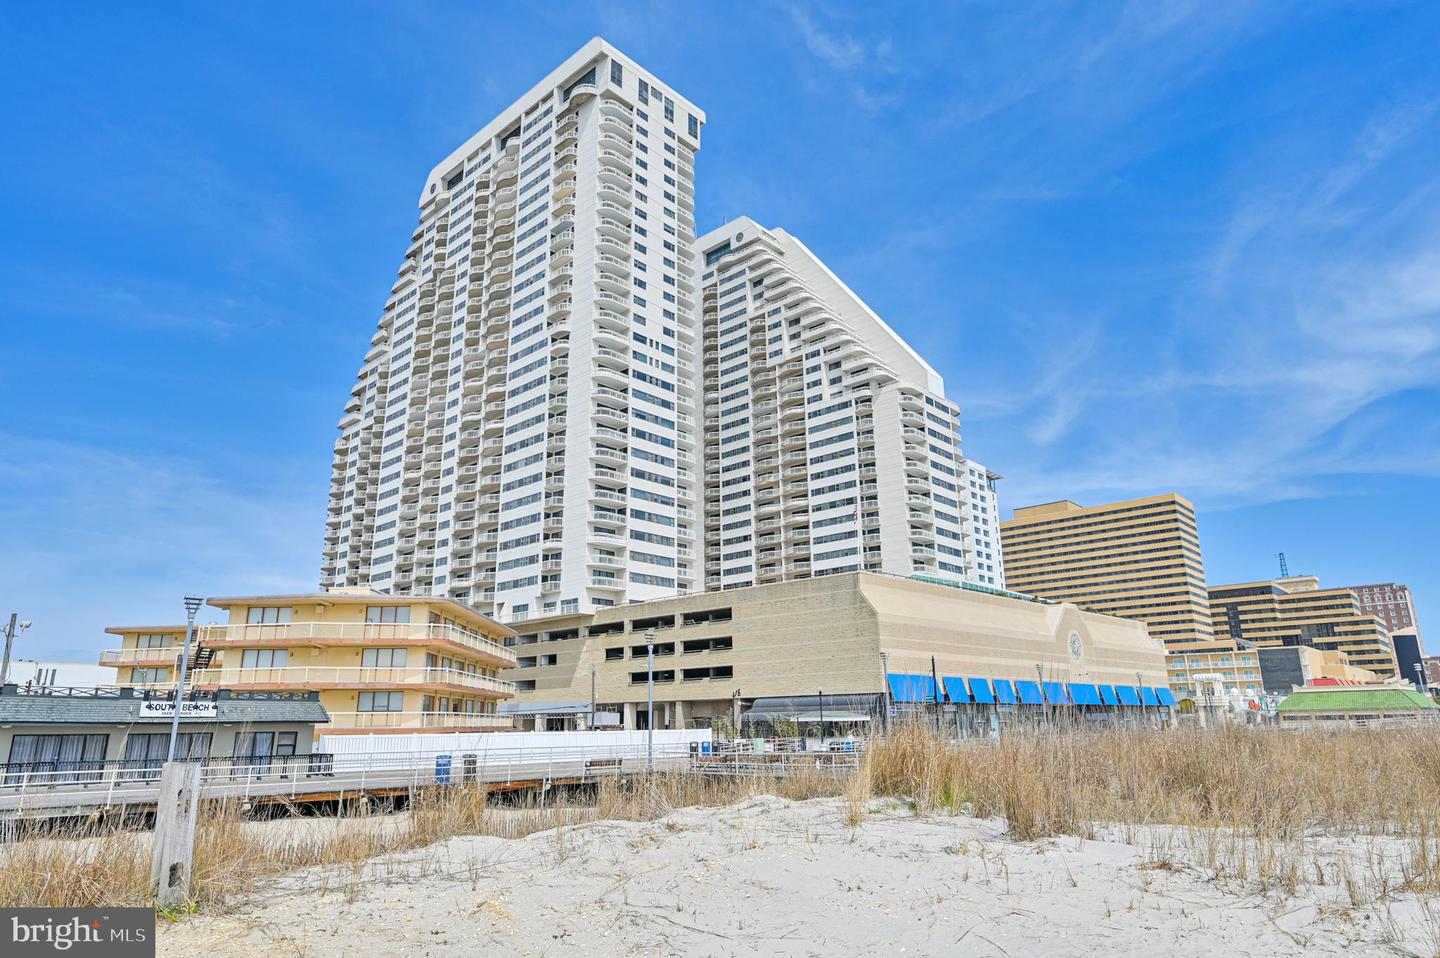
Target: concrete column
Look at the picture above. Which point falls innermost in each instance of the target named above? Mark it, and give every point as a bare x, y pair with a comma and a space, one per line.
629, 716
679, 715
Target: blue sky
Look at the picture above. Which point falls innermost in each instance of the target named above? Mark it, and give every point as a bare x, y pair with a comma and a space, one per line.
1171, 246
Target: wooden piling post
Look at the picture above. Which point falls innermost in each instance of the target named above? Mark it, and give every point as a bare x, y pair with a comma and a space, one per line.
175, 815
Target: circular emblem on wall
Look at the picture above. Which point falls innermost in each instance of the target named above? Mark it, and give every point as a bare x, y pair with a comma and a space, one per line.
1077, 648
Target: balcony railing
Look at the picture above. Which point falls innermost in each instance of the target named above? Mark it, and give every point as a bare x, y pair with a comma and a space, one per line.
402, 720
165, 655
314, 676
351, 633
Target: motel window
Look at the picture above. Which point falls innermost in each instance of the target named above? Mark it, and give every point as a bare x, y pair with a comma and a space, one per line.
264, 658
154, 641
381, 702
149, 676
271, 615
385, 659
387, 613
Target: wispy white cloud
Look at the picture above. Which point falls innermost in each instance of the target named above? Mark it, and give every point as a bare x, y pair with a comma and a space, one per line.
91, 537
868, 65
1319, 305
840, 50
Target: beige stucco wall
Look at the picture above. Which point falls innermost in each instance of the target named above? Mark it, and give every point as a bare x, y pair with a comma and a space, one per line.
971, 633
804, 635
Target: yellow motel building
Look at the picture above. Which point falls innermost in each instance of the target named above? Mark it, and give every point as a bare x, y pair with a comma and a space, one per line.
380, 663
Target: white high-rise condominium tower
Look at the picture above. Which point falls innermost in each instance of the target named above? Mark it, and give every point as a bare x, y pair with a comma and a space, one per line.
522, 433
985, 526
829, 443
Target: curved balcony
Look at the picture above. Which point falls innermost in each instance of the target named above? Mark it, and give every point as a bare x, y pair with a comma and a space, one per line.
581, 92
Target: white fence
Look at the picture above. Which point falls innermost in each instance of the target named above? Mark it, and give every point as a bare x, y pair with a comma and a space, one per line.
347, 747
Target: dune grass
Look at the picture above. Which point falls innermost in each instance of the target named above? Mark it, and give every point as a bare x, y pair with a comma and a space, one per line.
1243, 803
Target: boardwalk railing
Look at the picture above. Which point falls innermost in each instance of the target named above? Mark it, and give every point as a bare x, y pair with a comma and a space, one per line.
76, 787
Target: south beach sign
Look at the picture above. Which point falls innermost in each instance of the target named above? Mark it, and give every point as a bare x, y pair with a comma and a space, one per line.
163, 709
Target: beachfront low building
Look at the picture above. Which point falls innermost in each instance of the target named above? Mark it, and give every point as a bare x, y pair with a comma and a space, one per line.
1345, 706
380, 663
1196, 673
871, 641
58, 736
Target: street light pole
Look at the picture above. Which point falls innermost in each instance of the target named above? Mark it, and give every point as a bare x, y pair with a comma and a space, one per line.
1140, 694
1040, 680
13, 629
192, 605
650, 700
822, 717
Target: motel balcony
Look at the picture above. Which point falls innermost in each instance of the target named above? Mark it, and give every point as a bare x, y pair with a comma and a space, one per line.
358, 634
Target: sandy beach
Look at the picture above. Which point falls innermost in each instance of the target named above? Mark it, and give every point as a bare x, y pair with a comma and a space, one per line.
775, 877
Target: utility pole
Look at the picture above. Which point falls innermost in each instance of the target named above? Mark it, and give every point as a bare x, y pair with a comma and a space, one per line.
13, 629
192, 605
650, 700
592, 698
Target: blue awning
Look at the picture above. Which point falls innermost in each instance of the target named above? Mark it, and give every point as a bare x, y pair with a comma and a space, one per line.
955, 689
1083, 693
1029, 692
1147, 695
1004, 692
980, 688
1055, 693
1167, 697
1127, 695
911, 688
1108, 696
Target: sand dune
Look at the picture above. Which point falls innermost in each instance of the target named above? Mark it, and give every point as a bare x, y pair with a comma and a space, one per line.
776, 878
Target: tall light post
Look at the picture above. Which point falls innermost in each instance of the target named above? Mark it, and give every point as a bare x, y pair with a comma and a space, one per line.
1040, 681
192, 605
885, 688
821, 693
11, 631
650, 700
